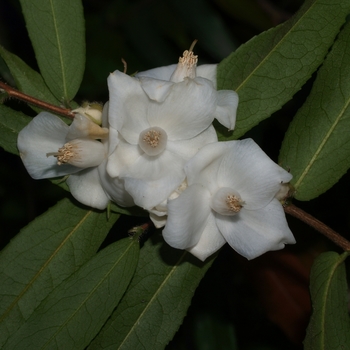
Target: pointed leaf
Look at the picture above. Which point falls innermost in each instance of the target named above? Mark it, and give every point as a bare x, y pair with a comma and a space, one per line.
56, 29
329, 327
11, 123
27, 79
316, 146
268, 70
42, 255
75, 311
156, 301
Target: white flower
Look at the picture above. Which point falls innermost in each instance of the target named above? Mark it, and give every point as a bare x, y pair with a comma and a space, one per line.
230, 198
187, 67
50, 148
162, 124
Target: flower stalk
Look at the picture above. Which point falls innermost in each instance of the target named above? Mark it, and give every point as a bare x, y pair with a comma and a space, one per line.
318, 225
11, 92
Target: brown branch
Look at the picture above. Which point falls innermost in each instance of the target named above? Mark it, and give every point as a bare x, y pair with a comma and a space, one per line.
318, 225
36, 102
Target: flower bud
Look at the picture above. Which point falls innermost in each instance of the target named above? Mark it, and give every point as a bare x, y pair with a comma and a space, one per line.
92, 111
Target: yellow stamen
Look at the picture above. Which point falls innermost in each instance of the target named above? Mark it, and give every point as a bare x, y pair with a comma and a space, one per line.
152, 137
234, 203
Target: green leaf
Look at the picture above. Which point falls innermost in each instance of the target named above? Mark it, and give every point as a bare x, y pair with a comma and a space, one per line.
329, 327
42, 255
133, 211
73, 313
11, 123
27, 79
268, 70
316, 147
56, 29
156, 301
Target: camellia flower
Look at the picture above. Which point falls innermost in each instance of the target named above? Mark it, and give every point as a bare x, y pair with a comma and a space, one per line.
161, 125
230, 198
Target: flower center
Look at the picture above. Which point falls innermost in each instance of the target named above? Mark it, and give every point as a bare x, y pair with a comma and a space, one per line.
82, 153
227, 201
64, 154
234, 203
188, 58
186, 68
153, 140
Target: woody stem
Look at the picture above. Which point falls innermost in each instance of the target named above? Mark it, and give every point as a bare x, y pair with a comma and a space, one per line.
318, 225
36, 102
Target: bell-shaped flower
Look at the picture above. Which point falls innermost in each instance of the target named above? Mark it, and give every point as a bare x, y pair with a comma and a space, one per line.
230, 198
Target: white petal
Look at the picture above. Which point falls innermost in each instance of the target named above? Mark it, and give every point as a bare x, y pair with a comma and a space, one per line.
188, 148
254, 232
187, 111
124, 156
150, 180
82, 127
203, 167
127, 100
158, 220
86, 188
45, 133
113, 140
208, 71
155, 89
246, 168
161, 73
114, 188
211, 240
227, 108
187, 217
104, 117
82, 153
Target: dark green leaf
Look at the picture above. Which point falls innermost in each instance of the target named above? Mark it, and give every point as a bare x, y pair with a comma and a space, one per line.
329, 327
155, 302
11, 123
56, 29
316, 148
27, 79
42, 255
268, 70
73, 313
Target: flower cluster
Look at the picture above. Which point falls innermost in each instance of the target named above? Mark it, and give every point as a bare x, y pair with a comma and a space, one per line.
154, 145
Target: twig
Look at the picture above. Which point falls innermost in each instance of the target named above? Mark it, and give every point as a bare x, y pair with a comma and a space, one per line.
318, 225
36, 102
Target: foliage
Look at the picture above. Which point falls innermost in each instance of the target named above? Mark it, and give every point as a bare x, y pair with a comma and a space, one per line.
61, 289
